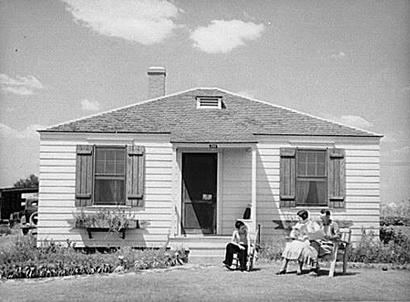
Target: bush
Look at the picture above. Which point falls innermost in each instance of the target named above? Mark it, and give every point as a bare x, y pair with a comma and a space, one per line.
395, 214
20, 259
371, 249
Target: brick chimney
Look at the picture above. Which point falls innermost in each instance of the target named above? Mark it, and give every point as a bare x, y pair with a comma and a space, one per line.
156, 82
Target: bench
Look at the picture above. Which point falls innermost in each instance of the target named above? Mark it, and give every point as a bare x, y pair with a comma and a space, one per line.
341, 247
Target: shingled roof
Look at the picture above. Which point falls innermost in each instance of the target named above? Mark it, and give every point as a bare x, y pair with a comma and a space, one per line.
240, 120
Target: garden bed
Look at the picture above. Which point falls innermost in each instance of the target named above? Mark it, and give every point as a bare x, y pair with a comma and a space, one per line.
19, 258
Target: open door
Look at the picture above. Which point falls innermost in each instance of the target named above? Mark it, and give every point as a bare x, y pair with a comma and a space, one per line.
199, 188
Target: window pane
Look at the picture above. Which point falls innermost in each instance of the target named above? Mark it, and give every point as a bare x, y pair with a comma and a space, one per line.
311, 192
109, 191
311, 163
110, 161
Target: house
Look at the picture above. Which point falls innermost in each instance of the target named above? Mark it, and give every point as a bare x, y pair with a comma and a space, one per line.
189, 163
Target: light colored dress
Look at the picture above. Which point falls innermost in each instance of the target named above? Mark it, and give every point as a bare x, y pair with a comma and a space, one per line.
299, 247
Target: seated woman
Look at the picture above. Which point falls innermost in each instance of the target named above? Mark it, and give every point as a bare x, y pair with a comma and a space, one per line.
299, 247
324, 246
239, 244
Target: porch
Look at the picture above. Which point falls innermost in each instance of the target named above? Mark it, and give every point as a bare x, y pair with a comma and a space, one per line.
214, 184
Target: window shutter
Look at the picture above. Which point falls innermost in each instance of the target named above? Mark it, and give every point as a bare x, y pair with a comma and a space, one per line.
336, 178
84, 176
287, 177
135, 175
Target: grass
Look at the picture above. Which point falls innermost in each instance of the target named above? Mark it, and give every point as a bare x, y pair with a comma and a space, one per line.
215, 283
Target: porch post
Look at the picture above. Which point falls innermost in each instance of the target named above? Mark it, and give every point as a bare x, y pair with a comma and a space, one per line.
253, 184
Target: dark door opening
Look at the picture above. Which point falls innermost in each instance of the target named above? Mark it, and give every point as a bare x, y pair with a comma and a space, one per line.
199, 185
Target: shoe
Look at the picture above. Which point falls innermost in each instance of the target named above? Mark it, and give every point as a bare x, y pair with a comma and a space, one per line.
314, 272
282, 272
232, 267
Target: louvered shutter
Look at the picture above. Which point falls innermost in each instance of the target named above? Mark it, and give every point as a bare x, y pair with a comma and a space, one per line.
336, 178
84, 176
135, 175
287, 177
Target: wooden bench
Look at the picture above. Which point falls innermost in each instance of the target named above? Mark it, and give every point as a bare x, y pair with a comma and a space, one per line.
341, 247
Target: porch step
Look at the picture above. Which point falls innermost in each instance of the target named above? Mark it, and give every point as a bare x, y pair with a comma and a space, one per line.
203, 249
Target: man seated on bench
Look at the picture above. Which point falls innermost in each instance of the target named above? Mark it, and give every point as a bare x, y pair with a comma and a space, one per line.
324, 246
239, 244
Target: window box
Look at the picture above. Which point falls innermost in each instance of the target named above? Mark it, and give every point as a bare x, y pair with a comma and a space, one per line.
106, 220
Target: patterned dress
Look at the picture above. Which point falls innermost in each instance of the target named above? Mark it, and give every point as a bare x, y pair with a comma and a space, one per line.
299, 247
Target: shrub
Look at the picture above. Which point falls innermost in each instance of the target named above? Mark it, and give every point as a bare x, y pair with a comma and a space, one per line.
371, 249
20, 259
395, 214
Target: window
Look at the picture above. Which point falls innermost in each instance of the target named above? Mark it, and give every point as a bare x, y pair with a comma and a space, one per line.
109, 175
310, 177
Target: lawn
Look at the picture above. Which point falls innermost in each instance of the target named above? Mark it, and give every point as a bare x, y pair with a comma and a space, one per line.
215, 283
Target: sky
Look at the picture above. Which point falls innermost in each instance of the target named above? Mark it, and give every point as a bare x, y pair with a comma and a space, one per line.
347, 61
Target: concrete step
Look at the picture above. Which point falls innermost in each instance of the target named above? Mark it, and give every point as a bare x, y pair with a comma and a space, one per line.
203, 249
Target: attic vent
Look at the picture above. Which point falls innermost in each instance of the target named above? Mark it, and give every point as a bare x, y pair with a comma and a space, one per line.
209, 102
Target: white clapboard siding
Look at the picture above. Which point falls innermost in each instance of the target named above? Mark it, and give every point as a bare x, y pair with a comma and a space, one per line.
236, 170
362, 188
57, 195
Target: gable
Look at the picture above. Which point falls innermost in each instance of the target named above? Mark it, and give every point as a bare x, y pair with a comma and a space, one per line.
238, 120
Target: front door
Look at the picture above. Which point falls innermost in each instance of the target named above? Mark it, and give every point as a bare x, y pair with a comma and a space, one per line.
199, 172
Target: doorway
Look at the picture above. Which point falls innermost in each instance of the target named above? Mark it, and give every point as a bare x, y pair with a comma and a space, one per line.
199, 192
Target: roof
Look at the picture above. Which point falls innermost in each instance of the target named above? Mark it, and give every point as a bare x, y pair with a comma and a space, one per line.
241, 120
20, 190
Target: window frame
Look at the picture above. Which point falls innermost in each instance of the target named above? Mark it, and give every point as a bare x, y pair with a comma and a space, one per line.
324, 178
95, 176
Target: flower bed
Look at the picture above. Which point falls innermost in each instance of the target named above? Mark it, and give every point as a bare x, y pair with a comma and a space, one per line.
20, 259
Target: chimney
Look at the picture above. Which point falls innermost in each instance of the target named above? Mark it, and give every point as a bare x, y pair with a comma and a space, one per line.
156, 82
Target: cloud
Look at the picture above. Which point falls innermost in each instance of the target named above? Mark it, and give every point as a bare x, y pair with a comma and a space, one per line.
223, 36
87, 105
339, 55
355, 121
142, 21
30, 132
20, 85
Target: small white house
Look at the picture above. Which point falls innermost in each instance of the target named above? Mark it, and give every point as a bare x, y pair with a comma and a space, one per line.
191, 162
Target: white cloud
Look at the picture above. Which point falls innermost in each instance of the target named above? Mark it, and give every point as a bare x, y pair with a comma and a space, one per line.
223, 36
90, 105
142, 21
355, 121
30, 132
339, 55
20, 85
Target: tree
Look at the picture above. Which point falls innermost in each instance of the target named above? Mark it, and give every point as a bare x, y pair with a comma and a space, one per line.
29, 182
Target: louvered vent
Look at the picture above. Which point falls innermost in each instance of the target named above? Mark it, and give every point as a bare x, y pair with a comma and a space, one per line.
209, 102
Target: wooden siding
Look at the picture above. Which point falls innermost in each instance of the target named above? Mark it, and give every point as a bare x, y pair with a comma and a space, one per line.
57, 196
235, 186
362, 189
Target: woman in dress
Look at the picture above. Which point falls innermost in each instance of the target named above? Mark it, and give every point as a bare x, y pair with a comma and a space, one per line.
299, 247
